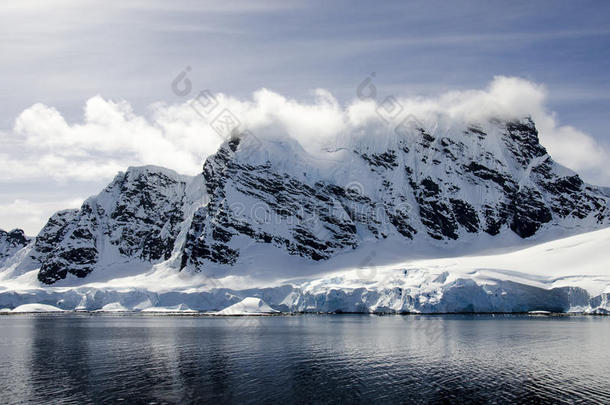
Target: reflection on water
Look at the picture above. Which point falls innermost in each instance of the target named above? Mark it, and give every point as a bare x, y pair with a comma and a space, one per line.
308, 358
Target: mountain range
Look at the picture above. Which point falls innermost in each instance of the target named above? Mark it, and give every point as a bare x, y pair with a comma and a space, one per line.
267, 218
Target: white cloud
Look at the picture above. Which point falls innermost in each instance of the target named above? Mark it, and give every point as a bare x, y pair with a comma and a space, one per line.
510, 96
30, 215
112, 136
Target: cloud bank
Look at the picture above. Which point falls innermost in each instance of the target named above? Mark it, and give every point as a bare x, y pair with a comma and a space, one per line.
43, 145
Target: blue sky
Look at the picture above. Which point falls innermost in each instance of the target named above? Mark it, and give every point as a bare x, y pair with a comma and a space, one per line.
64, 53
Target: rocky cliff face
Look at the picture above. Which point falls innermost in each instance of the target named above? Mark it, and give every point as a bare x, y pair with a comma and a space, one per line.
435, 184
136, 216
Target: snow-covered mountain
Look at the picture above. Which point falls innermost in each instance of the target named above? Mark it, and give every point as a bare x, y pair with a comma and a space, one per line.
449, 185
266, 209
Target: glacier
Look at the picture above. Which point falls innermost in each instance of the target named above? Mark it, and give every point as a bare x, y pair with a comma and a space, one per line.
565, 275
434, 218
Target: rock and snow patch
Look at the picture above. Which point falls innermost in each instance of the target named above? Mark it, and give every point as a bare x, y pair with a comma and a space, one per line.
114, 307
248, 306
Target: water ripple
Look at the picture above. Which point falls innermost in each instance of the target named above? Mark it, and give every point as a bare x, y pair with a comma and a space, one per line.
304, 359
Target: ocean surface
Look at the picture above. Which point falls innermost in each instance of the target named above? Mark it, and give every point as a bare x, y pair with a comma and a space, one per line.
93, 358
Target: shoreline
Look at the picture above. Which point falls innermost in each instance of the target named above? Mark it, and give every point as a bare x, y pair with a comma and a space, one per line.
286, 314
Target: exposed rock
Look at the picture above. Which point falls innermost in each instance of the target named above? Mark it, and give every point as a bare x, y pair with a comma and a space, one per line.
11, 242
136, 216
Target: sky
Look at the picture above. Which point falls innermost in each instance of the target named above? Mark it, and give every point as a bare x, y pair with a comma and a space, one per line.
86, 86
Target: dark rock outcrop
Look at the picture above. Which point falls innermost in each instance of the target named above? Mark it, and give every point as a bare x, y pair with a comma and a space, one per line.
11, 242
